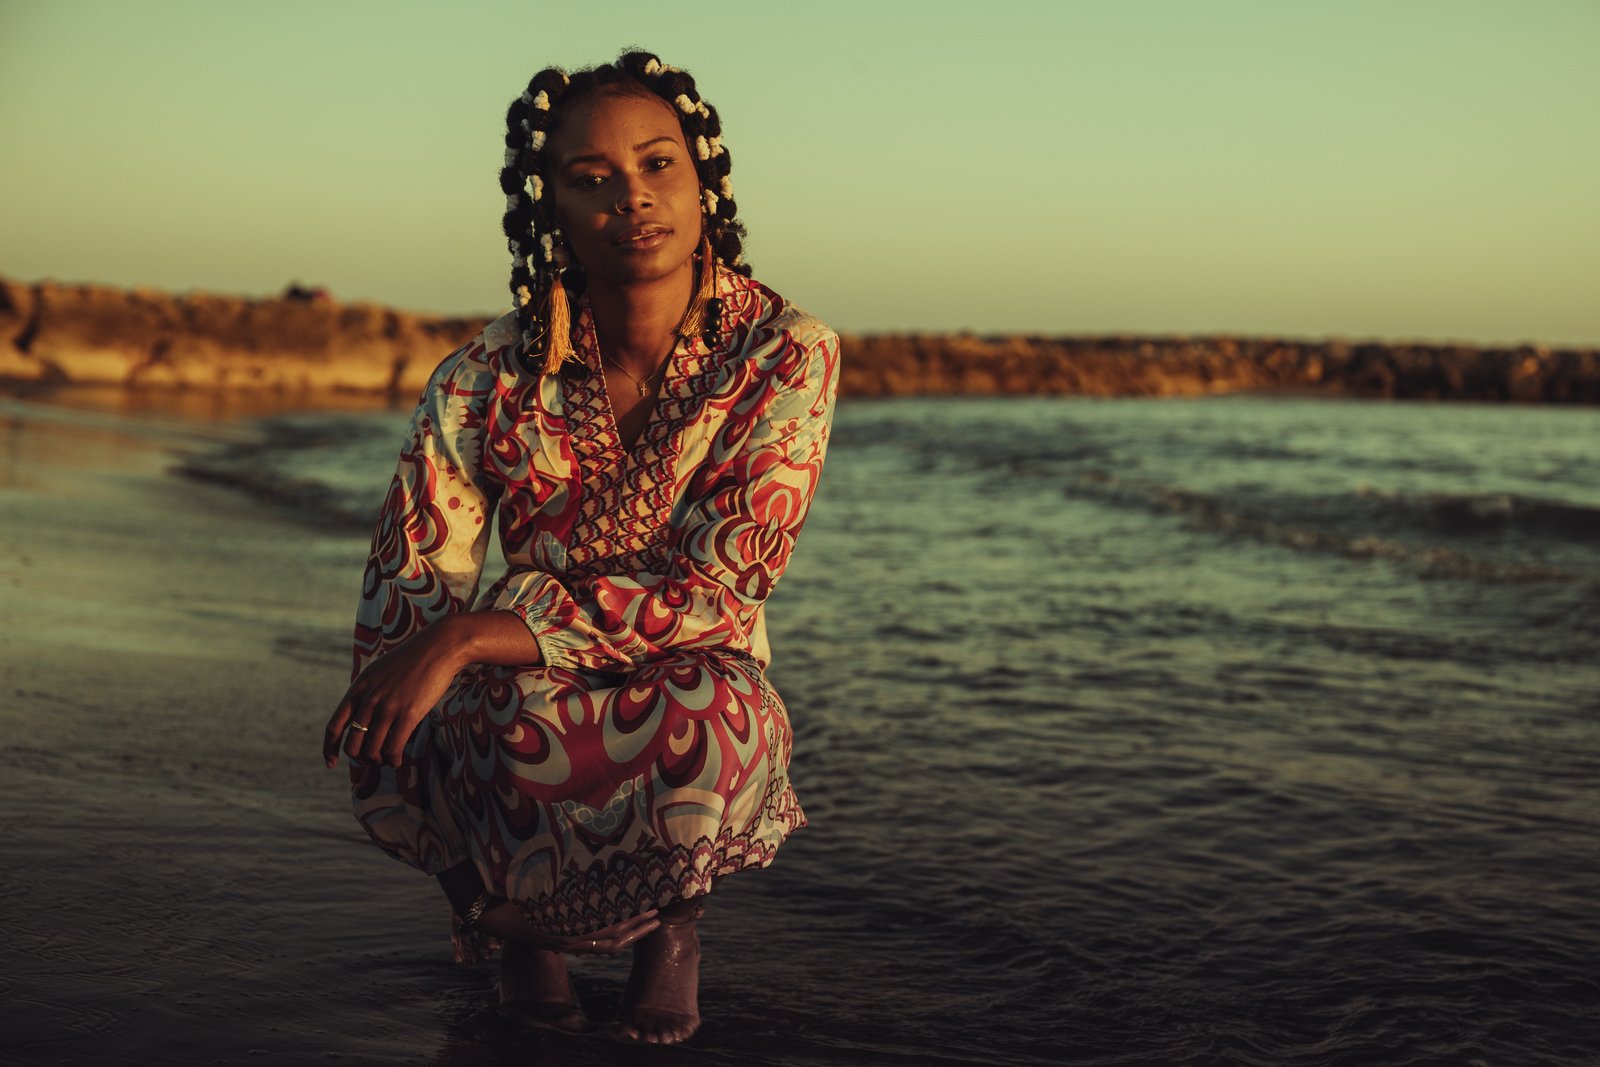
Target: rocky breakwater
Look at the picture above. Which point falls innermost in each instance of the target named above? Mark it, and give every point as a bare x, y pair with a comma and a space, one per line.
301, 342
305, 343
893, 365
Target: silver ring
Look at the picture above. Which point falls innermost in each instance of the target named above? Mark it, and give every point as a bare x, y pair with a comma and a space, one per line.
360, 726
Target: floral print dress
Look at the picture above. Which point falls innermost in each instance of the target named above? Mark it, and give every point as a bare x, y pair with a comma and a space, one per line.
646, 755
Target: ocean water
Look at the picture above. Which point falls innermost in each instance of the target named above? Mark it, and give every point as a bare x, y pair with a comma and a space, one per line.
1237, 730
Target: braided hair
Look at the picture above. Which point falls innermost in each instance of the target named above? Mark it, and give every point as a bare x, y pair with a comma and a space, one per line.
532, 232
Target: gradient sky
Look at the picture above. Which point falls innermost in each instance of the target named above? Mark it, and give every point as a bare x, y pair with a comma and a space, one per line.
1360, 169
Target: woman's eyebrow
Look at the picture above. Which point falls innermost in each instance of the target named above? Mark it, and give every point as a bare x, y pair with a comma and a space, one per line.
598, 157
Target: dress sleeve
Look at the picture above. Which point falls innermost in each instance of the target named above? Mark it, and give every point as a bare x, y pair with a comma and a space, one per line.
745, 510
428, 548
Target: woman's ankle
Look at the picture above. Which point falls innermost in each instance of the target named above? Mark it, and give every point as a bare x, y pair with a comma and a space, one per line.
462, 886
504, 920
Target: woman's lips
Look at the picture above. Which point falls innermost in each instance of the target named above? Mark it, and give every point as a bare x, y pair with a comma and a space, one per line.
642, 239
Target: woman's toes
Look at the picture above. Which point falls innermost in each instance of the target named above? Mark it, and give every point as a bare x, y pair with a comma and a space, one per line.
642, 1027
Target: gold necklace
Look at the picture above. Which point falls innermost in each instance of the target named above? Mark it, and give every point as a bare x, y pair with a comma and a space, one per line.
643, 385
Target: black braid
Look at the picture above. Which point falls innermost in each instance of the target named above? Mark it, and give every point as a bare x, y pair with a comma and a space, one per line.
528, 222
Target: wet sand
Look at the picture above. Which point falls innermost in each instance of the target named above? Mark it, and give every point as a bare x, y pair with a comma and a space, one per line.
182, 880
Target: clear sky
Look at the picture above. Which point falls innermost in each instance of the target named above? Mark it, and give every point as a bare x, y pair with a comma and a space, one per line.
1394, 168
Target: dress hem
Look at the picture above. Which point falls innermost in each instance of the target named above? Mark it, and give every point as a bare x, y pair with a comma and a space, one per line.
615, 895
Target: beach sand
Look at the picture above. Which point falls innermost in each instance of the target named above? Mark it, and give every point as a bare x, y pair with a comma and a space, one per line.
182, 879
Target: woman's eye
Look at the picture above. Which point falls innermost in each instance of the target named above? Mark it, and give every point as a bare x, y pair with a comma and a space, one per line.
661, 162
588, 181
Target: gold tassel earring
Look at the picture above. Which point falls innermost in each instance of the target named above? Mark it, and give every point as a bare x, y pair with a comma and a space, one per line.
694, 319
558, 325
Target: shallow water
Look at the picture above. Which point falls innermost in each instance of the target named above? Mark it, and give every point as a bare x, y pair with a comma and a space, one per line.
1242, 730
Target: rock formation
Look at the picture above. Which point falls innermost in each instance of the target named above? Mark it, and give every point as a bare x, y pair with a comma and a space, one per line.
304, 343
1186, 366
301, 342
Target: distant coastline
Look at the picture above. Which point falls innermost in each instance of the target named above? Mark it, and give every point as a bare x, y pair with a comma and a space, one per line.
303, 342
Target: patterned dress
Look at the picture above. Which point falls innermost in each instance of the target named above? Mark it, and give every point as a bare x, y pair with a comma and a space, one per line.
647, 755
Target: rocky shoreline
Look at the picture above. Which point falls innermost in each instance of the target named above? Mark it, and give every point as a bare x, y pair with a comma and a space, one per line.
304, 343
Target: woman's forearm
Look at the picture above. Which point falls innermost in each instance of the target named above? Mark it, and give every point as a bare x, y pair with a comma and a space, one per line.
497, 638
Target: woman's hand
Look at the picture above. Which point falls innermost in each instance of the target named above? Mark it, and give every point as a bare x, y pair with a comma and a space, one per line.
607, 942
381, 709
506, 921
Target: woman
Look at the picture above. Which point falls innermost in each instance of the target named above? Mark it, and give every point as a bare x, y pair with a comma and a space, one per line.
583, 750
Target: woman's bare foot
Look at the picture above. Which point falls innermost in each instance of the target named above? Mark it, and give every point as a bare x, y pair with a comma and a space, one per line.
661, 1004
535, 990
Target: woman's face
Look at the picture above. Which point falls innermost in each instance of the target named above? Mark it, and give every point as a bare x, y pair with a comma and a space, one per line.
626, 193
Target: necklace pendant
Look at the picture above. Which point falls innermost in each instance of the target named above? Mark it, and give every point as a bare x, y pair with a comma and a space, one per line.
644, 390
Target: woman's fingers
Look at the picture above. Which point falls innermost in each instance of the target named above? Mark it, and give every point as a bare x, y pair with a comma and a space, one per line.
611, 939
383, 707
390, 749
635, 931
505, 920
334, 734
390, 699
393, 720
618, 937
358, 725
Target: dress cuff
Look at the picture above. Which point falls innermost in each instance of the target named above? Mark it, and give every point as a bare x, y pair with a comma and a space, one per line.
553, 652
539, 601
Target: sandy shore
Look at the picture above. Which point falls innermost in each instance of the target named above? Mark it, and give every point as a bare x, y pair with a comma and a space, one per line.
183, 881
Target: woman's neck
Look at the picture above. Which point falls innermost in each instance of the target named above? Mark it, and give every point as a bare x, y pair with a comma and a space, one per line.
637, 324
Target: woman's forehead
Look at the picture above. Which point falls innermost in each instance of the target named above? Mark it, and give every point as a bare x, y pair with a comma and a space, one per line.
609, 122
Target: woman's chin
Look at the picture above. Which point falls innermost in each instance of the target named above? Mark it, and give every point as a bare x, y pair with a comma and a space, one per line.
642, 267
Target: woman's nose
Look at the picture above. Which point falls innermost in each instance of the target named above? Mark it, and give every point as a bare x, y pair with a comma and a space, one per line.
633, 196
